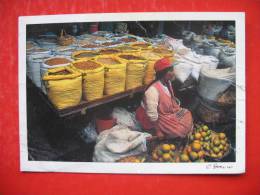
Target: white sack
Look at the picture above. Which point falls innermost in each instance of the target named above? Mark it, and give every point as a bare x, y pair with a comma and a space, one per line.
123, 117
118, 142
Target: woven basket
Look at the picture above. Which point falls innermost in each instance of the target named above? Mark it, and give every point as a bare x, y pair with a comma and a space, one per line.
65, 39
208, 157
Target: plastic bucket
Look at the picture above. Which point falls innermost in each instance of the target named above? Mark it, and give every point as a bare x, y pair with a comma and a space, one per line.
104, 123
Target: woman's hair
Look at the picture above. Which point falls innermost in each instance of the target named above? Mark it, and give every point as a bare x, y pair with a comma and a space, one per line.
162, 73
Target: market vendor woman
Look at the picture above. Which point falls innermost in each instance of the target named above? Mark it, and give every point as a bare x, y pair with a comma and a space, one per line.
160, 109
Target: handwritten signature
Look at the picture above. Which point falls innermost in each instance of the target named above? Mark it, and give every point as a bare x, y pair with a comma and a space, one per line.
218, 166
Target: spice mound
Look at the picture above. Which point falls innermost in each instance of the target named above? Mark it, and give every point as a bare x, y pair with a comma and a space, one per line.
110, 43
108, 61
57, 61
90, 46
127, 40
108, 51
85, 54
142, 45
162, 51
63, 72
87, 65
131, 57
127, 48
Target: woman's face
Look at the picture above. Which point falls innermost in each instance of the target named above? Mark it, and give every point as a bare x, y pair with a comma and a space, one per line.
170, 75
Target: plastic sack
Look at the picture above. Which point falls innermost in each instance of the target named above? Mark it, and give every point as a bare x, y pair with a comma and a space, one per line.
118, 142
195, 73
34, 65
84, 54
182, 50
188, 36
198, 40
135, 69
135, 74
30, 45
227, 57
182, 70
63, 90
126, 118
173, 43
115, 75
89, 134
151, 59
142, 46
209, 62
44, 68
93, 81
213, 82
164, 53
128, 49
65, 51
211, 48
177, 45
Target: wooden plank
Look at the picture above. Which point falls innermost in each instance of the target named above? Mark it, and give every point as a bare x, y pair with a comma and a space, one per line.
84, 105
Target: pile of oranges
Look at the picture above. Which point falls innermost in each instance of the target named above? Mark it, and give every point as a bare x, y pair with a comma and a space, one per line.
193, 153
218, 146
164, 153
201, 133
215, 145
202, 143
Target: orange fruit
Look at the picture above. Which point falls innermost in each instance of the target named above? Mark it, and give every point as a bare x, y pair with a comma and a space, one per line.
205, 127
194, 156
184, 158
196, 146
221, 147
171, 153
166, 156
197, 135
204, 134
220, 154
201, 154
166, 147
223, 142
216, 142
173, 147
216, 150
222, 135
196, 141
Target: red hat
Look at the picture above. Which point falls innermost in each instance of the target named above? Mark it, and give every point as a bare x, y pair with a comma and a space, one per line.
162, 64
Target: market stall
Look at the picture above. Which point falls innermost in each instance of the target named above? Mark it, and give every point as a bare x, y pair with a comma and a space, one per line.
74, 74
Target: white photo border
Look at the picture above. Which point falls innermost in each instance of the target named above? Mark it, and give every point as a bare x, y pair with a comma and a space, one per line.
237, 167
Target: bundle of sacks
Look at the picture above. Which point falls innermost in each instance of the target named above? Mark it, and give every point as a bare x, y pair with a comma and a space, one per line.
119, 142
188, 62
